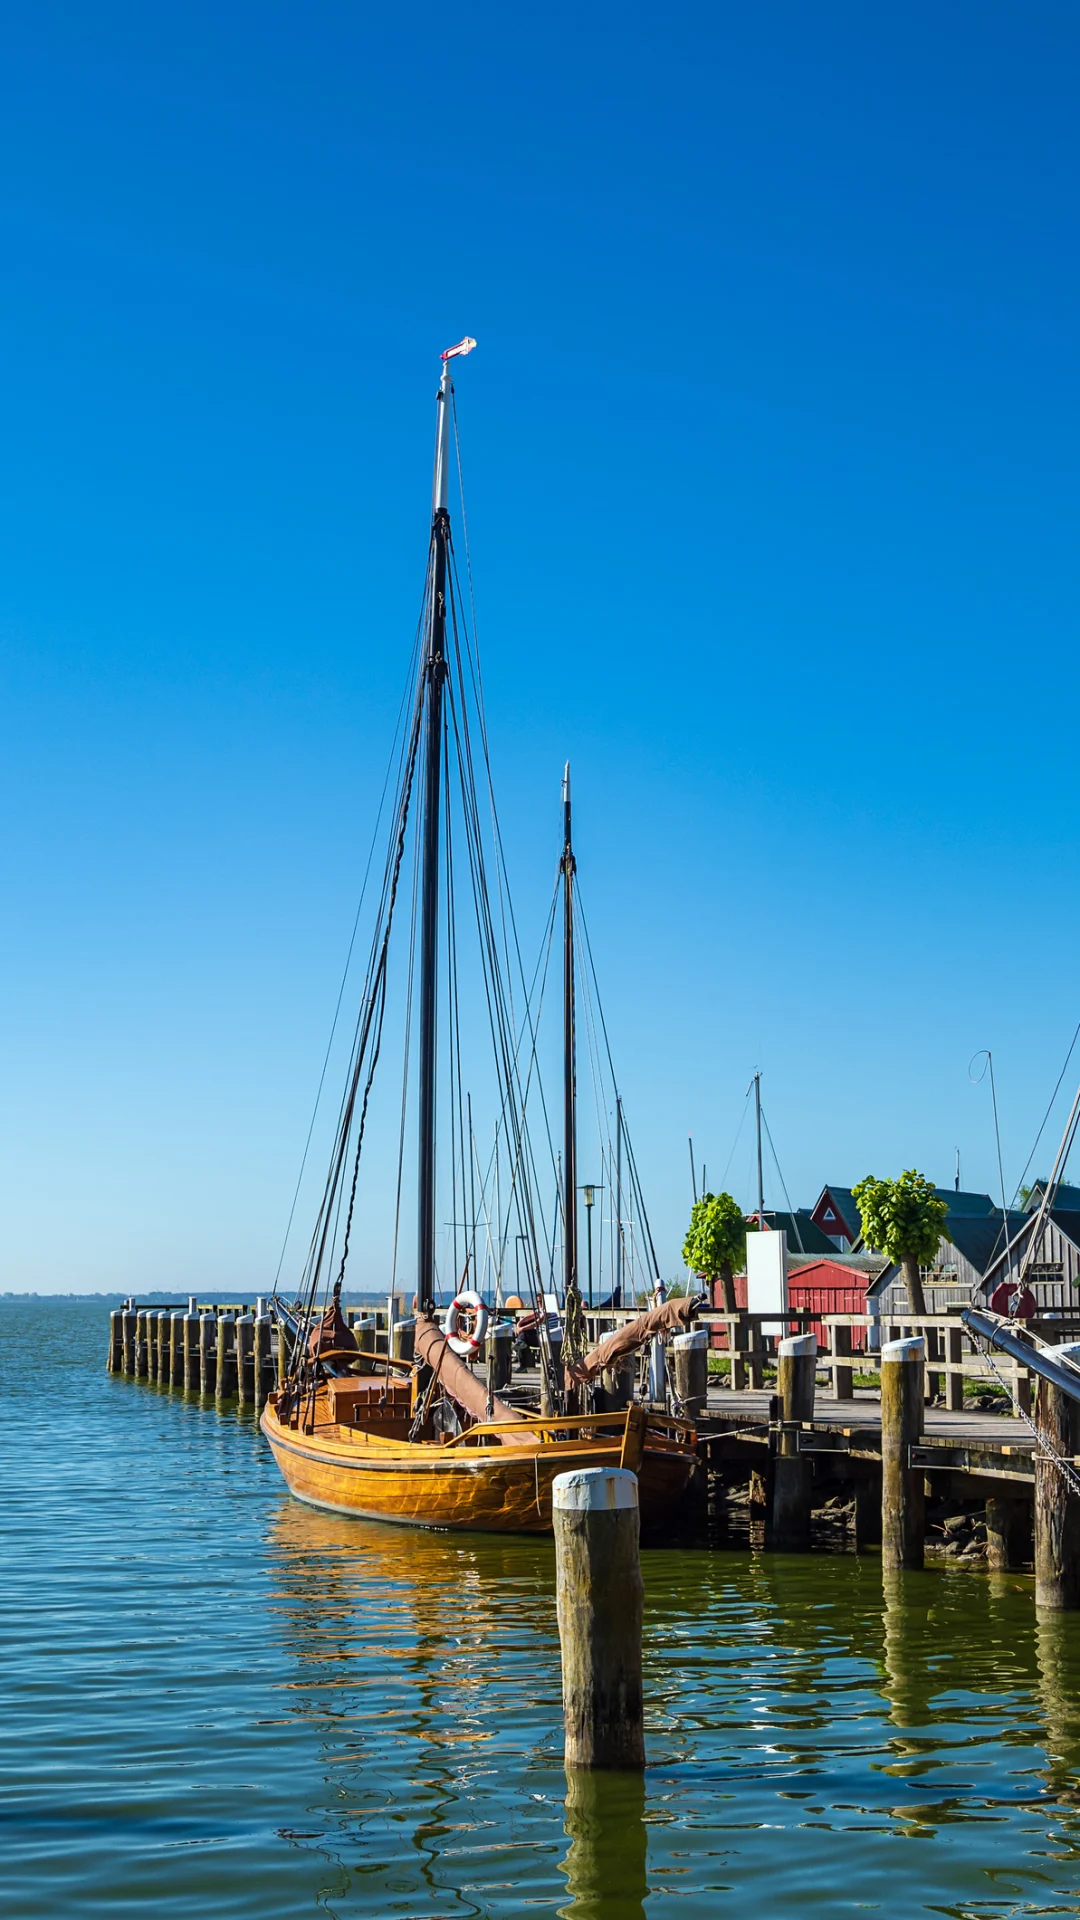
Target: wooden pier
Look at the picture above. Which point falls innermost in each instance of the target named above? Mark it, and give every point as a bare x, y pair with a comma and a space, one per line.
856, 1447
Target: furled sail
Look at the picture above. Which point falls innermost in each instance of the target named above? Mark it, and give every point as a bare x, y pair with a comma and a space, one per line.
673, 1316
460, 1382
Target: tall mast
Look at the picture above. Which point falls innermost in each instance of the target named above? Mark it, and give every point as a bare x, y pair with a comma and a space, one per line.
760, 1180
567, 868
434, 670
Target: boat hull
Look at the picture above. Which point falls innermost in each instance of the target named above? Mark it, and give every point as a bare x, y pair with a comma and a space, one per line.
495, 1489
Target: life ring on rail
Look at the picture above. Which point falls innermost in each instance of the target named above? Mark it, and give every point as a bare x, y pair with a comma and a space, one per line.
467, 1344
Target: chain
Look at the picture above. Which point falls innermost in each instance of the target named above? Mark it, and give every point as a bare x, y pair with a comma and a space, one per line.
1047, 1450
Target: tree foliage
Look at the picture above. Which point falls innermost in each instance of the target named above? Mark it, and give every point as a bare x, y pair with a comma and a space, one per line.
903, 1219
716, 1237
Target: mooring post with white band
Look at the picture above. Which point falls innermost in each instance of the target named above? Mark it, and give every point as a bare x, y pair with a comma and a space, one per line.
600, 1600
903, 1516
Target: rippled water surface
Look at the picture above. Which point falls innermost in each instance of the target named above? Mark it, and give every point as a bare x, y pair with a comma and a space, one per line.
218, 1702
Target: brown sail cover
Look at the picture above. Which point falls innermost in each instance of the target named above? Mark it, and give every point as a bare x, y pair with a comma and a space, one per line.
461, 1384
332, 1331
674, 1316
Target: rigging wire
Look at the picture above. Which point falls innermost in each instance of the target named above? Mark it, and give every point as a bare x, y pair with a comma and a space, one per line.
783, 1185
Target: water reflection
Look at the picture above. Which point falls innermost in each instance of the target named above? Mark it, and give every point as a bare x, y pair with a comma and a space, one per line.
605, 1865
1057, 1650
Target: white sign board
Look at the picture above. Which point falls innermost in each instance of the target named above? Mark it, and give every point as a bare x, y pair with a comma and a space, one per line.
766, 1272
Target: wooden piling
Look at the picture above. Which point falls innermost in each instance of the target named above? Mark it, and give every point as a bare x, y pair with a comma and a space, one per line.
245, 1359
176, 1351
843, 1376
225, 1388
1057, 1508
501, 1340
130, 1326
867, 1512
207, 1353
115, 1361
402, 1339
617, 1386
599, 1603
190, 1339
690, 1352
164, 1348
264, 1359
791, 1479
142, 1344
903, 1518
954, 1382
1008, 1532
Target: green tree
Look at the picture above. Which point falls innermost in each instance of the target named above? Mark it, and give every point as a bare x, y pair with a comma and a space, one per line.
715, 1243
904, 1220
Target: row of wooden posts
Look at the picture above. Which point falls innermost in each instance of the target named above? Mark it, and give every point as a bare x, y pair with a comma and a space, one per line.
1009, 1517
225, 1351
598, 1576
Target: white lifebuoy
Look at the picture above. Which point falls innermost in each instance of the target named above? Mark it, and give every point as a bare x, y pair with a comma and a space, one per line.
468, 1344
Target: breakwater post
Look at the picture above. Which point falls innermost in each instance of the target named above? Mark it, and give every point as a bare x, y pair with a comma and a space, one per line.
164, 1348
599, 1601
116, 1341
264, 1360
142, 1344
176, 1376
207, 1353
191, 1348
245, 1359
131, 1319
226, 1357
903, 1519
1057, 1508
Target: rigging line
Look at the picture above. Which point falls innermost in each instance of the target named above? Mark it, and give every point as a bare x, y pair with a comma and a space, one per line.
473, 651
322, 1227
394, 752
636, 1178
506, 1048
607, 1047
1046, 1115
738, 1131
318, 1238
783, 1186
1003, 1230
410, 981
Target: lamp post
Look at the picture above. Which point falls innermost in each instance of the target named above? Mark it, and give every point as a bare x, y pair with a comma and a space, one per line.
590, 1196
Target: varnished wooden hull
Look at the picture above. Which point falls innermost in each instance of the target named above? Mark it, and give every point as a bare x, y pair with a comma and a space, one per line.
496, 1489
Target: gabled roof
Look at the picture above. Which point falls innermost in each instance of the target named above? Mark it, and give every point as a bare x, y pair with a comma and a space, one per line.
844, 1205
803, 1235
960, 1205
965, 1205
981, 1240
1066, 1198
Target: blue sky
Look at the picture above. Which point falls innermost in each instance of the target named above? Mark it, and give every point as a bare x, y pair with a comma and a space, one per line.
771, 456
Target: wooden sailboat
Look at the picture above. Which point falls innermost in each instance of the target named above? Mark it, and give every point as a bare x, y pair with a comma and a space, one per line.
428, 1443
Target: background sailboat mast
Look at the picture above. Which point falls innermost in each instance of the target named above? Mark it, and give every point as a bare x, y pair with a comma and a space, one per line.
760, 1179
434, 678
566, 867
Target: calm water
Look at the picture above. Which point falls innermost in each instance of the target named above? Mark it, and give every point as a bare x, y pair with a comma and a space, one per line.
217, 1702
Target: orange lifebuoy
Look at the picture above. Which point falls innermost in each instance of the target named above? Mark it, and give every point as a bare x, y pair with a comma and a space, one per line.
466, 1344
